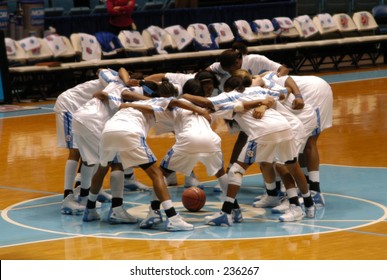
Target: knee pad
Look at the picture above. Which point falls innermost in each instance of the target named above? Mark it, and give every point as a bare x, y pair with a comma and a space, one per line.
235, 174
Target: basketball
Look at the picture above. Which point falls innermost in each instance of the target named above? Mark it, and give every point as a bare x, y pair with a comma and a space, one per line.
193, 199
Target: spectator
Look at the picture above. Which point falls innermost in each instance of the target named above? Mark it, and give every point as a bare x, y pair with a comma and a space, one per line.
120, 15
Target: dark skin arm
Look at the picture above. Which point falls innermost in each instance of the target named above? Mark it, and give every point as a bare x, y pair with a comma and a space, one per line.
268, 102
155, 77
125, 77
198, 100
282, 71
298, 102
128, 95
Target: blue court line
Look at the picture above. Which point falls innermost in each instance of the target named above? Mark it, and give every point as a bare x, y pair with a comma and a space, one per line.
356, 76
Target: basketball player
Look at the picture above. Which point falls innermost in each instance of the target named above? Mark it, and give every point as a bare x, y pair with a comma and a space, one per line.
125, 135
270, 139
195, 142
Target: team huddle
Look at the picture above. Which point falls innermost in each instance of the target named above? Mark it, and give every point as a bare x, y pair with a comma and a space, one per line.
104, 123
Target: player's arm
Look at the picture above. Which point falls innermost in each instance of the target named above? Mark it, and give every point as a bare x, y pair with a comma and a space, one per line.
283, 71
101, 95
198, 100
155, 77
128, 95
125, 77
298, 102
247, 105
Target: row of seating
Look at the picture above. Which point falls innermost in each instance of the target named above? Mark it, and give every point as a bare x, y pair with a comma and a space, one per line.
197, 37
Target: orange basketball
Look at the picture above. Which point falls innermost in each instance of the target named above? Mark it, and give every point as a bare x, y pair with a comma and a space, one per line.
193, 199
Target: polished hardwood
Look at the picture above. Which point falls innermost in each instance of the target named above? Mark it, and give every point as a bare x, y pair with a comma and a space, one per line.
31, 161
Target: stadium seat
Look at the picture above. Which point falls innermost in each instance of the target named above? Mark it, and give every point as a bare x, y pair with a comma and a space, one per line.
36, 50
365, 23
307, 29
76, 11
285, 29
326, 26
61, 47
245, 33
110, 45
345, 24
202, 39
265, 31
181, 39
157, 40
380, 14
222, 33
86, 46
53, 12
133, 43
16, 55
99, 9
153, 5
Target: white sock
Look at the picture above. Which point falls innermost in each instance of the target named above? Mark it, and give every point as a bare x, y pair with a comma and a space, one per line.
230, 199
270, 186
223, 183
70, 173
167, 204
314, 176
87, 173
117, 183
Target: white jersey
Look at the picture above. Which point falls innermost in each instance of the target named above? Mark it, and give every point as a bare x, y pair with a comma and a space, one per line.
254, 63
317, 93
107, 76
179, 79
307, 115
193, 133
271, 122
94, 114
135, 124
73, 98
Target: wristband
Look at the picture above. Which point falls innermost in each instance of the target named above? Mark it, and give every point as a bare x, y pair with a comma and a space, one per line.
298, 96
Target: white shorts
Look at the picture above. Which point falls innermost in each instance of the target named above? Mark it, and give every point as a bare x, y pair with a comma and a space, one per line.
278, 146
184, 163
118, 143
88, 143
64, 130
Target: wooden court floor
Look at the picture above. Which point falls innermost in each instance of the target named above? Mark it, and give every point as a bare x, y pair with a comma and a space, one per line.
32, 166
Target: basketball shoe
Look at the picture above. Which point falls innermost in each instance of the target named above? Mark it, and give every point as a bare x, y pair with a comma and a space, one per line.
219, 219
294, 213
154, 217
70, 206
118, 215
176, 223
267, 201
90, 215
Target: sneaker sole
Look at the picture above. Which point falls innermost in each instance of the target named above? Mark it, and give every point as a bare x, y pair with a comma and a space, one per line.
150, 224
218, 225
91, 220
68, 211
294, 220
114, 221
179, 229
